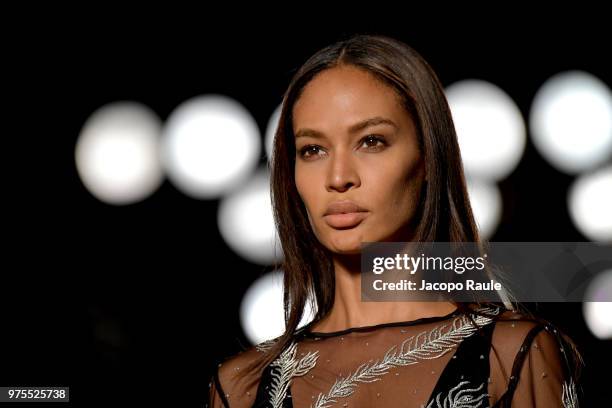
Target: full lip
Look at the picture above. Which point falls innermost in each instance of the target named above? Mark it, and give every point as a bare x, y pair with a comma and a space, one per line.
344, 214
343, 207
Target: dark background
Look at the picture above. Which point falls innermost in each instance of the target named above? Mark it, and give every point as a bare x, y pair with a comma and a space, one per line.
135, 305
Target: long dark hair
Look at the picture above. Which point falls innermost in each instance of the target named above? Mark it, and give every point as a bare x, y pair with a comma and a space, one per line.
444, 213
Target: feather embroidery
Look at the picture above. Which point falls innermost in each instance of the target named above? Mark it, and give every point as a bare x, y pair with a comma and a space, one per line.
425, 345
284, 368
463, 398
569, 395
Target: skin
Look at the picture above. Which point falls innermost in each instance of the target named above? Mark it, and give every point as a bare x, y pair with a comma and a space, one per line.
383, 175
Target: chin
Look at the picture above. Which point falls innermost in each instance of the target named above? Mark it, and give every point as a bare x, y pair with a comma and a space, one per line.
346, 245
347, 251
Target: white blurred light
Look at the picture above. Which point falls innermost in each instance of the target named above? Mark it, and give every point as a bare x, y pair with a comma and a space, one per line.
117, 153
490, 128
590, 204
571, 121
261, 310
211, 144
598, 314
246, 221
271, 130
486, 202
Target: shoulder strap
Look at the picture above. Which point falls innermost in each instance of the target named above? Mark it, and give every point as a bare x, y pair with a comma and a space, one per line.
506, 399
220, 389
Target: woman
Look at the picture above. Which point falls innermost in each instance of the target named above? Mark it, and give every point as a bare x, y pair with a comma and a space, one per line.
366, 151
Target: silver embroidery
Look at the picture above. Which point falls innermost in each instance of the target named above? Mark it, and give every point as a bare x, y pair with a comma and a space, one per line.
284, 368
266, 345
424, 346
459, 397
569, 395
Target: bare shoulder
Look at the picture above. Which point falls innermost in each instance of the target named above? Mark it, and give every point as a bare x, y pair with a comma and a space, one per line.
511, 328
516, 334
532, 363
236, 381
231, 369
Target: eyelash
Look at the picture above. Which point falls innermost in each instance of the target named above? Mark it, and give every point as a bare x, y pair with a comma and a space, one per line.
377, 138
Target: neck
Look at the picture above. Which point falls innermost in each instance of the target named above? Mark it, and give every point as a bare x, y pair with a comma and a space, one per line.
349, 311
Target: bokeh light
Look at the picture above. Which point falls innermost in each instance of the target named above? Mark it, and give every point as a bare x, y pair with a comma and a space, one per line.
261, 310
598, 315
211, 144
486, 201
590, 204
571, 121
117, 153
490, 128
246, 221
271, 130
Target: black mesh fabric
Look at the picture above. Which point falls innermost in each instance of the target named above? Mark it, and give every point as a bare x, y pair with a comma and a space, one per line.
501, 359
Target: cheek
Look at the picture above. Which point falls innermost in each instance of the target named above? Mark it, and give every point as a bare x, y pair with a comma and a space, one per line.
395, 189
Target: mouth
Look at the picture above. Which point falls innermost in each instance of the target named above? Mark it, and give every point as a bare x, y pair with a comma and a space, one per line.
345, 220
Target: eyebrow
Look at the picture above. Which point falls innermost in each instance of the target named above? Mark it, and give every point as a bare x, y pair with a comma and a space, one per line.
378, 120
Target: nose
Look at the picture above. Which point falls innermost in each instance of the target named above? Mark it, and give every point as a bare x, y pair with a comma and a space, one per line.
341, 174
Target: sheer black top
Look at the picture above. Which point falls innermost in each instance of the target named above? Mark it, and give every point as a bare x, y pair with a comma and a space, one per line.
496, 358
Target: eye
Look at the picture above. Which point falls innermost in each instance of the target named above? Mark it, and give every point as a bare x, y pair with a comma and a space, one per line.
309, 151
374, 142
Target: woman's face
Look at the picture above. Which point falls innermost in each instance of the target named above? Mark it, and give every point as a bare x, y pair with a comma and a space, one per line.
355, 142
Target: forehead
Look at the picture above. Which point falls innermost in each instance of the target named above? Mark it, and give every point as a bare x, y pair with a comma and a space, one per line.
343, 96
